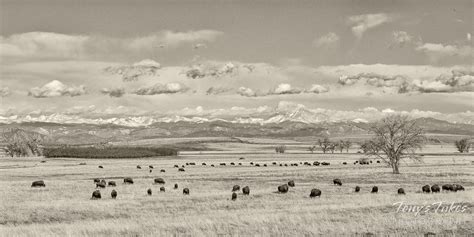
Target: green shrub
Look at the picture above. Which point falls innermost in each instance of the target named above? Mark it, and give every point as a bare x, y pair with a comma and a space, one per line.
108, 152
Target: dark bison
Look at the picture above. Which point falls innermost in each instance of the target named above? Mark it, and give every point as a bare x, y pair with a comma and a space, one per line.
43, 161
375, 189
448, 187
258, 165
274, 163
186, 191
151, 170
112, 183
283, 188
234, 196
326, 163
458, 187
246, 190
264, 165
113, 194
316, 163
240, 163
315, 193
344, 163
162, 189
159, 181
232, 163
203, 163
426, 189
291, 183
241, 158
187, 163
212, 165
139, 167
175, 186
357, 189
435, 188
128, 180
101, 167
149, 191
337, 182
378, 162
96, 195
82, 163
39, 183
251, 163
181, 169
162, 171
100, 185
151, 167
401, 191
96, 180
281, 164
286, 164
222, 164
176, 166
192, 163
236, 188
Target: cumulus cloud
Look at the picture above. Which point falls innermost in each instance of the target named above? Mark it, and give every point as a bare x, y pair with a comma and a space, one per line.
283, 89
115, 92
169, 88
401, 38
211, 69
56, 88
133, 72
244, 91
361, 23
56, 45
4, 91
438, 51
318, 89
373, 79
217, 90
327, 40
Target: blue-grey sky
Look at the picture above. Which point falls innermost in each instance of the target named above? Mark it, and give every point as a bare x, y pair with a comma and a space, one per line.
162, 56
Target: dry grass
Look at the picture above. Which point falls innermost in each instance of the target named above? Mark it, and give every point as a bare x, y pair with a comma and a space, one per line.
64, 207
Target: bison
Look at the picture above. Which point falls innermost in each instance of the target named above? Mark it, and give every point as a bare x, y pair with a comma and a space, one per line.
101, 167
162, 171
128, 180
401, 191
426, 189
283, 188
458, 187
435, 188
181, 169
113, 194
82, 163
186, 191
176, 166
316, 163
375, 189
291, 183
223, 164
315, 193
162, 189
96, 195
100, 185
149, 191
151, 167
246, 190
236, 188
96, 180
203, 164
112, 184
234, 196
139, 167
39, 183
357, 189
232, 163
175, 186
344, 163
448, 187
337, 182
159, 181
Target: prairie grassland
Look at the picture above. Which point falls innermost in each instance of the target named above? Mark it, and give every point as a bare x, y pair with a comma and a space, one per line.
64, 207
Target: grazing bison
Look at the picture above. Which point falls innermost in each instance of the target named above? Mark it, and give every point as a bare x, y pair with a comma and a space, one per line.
283, 188
162, 189
426, 189
151, 167
258, 165
43, 161
378, 162
251, 163
326, 163
96, 180
186, 191
181, 169
241, 158
246, 190
315, 193
101, 167
96, 195
458, 187
234, 196
203, 163
281, 164
265, 165
39, 183
435, 188
139, 167
236, 188
212, 165
82, 163
337, 182
240, 163
128, 180
176, 166
357, 189
100, 185
223, 164
113, 194
112, 184
159, 181
448, 187
274, 163
316, 163
291, 183
175, 186
151, 170
187, 163
401, 191
162, 171
192, 163
286, 164
232, 163
149, 192
375, 189
344, 163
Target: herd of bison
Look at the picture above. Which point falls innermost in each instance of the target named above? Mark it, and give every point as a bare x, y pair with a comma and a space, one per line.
101, 183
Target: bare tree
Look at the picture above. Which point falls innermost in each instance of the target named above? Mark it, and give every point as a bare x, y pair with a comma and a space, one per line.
347, 145
325, 144
463, 145
22, 143
312, 149
280, 149
340, 146
395, 138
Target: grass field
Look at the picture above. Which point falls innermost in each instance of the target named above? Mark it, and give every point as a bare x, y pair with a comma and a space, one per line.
64, 207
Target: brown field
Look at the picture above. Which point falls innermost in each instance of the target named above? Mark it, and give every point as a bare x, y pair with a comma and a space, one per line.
64, 207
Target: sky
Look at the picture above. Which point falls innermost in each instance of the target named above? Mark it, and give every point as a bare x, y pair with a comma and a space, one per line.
120, 58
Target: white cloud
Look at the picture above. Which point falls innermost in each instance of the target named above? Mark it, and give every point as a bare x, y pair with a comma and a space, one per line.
56, 88
169, 88
146, 67
361, 23
438, 51
327, 40
401, 38
217, 90
285, 88
4, 91
318, 89
244, 91
115, 92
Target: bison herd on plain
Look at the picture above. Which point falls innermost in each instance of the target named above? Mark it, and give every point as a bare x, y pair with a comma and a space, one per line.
101, 183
